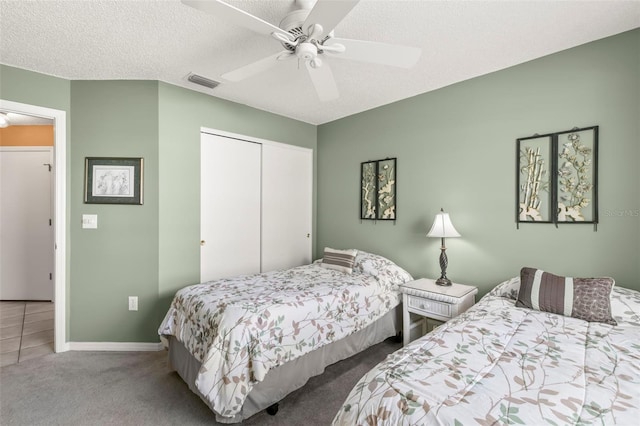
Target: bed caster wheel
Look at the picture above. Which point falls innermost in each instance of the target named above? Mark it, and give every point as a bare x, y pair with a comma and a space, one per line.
272, 409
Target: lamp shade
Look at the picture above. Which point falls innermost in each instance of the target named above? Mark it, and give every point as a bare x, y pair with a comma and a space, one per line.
442, 227
4, 120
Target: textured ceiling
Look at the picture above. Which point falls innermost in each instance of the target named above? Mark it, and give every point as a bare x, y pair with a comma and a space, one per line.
166, 40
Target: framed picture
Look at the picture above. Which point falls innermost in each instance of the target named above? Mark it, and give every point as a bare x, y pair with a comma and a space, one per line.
386, 189
113, 180
533, 179
557, 177
577, 176
378, 189
368, 189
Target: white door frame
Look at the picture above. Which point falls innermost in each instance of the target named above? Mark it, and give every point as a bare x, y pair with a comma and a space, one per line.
60, 210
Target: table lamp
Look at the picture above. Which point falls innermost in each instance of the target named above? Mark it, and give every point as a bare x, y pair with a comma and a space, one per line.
443, 228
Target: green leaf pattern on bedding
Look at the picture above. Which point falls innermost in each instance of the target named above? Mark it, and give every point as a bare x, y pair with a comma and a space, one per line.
240, 328
498, 364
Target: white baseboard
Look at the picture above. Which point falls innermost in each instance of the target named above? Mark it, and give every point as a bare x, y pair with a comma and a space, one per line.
114, 346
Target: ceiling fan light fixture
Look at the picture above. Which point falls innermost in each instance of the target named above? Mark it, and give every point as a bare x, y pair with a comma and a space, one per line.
306, 51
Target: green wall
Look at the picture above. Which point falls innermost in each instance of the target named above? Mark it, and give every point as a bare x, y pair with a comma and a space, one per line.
120, 258
32, 88
456, 150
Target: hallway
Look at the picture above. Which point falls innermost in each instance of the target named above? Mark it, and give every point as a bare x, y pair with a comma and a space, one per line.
26, 331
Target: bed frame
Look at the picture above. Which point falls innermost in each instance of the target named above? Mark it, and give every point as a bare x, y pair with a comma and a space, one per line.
281, 381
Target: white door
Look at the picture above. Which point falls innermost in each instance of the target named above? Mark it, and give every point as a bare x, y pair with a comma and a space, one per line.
287, 179
230, 207
26, 234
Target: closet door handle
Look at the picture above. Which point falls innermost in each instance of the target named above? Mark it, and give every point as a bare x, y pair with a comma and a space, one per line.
202, 242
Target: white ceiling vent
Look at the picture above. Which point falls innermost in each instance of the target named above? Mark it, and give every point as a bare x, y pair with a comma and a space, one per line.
202, 81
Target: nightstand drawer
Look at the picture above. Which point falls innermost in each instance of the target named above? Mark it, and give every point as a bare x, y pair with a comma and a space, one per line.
430, 306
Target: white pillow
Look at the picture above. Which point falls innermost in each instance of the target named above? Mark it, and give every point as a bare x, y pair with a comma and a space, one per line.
382, 268
508, 288
339, 260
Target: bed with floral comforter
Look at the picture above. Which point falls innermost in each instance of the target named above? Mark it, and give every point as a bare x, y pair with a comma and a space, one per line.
241, 328
497, 364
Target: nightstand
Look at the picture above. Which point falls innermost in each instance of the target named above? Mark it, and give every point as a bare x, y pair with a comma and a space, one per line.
424, 298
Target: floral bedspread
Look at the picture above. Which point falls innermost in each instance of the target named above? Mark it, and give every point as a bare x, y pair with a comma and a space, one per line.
497, 364
240, 328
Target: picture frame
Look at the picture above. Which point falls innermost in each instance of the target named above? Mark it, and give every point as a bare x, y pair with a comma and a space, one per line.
386, 209
378, 189
368, 190
114, 180
577, 175
557, 177
534, 191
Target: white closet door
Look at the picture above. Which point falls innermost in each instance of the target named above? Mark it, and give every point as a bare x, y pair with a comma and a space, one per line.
230, 207
287, 179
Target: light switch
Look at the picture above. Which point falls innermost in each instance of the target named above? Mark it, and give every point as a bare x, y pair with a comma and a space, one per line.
89, 221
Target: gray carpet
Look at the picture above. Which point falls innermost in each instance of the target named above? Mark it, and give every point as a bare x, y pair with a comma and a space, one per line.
137, 388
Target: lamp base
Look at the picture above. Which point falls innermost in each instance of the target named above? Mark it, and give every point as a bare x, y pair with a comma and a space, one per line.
443, 281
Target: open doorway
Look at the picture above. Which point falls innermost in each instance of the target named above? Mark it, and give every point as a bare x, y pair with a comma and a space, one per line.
27, 240
14, 111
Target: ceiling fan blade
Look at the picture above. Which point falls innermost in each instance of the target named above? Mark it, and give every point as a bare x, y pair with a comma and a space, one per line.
236, 16
254, 67
333, 48
328, 13
377, 53
323, 81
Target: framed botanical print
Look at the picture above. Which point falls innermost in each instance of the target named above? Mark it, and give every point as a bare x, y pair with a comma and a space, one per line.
577, 177
557, 177
378, 189
110, 180
533, 179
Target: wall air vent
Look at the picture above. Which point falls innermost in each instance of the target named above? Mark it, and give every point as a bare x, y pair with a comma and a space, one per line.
202, 81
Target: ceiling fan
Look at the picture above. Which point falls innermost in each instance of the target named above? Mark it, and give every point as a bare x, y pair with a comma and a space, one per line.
307, 34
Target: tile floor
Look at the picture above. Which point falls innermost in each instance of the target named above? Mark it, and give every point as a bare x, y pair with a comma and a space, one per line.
26, 331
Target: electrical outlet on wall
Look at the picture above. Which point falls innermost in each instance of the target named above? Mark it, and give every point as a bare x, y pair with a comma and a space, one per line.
133, 303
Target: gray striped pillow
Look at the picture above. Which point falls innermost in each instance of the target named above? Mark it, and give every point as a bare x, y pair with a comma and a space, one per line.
588, 299
340, 260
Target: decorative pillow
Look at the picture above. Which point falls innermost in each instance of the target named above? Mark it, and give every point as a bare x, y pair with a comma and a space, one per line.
340, 260
588, 299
